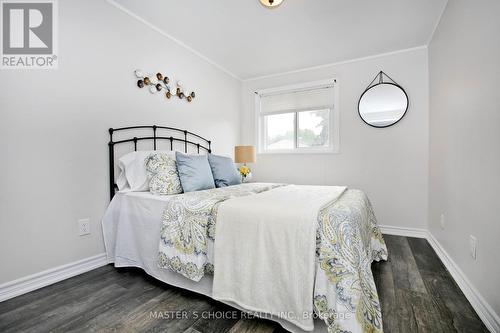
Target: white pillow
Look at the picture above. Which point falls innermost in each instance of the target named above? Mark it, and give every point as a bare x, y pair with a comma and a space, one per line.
132, 174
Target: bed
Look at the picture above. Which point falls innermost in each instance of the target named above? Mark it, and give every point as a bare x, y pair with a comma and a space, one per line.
322, 268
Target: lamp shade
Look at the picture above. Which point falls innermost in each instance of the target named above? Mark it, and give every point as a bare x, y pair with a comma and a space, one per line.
244, 154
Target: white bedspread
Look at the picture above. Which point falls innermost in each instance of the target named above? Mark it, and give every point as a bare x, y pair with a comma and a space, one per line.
131, 226
265, 250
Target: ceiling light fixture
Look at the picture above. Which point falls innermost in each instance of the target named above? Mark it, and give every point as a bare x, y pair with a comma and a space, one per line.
271, 3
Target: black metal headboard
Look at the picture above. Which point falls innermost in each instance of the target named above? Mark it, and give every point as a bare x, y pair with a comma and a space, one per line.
186, 138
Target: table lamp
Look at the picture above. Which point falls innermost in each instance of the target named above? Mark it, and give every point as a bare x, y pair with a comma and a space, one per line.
244, 154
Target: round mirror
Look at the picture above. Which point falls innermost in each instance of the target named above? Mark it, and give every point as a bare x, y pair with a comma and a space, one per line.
383, 104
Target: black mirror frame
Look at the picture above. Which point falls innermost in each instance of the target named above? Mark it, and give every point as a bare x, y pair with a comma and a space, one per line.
393, 83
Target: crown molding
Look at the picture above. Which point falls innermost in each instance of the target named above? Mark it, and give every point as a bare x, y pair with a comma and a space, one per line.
172, 38
305, 69
233, 75
437, 23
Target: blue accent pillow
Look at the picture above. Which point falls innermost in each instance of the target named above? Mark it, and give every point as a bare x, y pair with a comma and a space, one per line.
194, 172
224, 171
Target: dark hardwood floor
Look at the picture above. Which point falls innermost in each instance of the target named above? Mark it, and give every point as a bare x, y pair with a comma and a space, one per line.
417, 294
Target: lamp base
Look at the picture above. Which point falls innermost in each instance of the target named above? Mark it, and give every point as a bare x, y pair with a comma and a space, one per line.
246, 179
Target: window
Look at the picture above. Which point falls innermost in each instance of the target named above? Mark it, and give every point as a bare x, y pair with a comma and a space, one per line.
298, 119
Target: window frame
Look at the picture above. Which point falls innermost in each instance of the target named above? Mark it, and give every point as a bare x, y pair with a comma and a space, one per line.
334, 118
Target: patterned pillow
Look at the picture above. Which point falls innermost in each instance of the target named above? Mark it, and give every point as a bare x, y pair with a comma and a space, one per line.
162, 171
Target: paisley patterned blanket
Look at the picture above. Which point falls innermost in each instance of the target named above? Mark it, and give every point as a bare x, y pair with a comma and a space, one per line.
347, 241
188, 228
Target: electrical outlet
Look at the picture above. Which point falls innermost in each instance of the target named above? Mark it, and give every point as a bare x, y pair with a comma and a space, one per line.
84, 227
441, 222
473, 246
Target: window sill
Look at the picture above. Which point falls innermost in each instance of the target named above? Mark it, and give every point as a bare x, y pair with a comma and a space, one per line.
299, 152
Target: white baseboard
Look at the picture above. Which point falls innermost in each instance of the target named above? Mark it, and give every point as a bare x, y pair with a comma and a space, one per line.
401, 231
29, 283
483, 309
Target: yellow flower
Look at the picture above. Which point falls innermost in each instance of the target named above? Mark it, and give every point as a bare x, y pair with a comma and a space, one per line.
244, 170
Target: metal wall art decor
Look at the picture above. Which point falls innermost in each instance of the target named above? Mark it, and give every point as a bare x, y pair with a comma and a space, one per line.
161, 82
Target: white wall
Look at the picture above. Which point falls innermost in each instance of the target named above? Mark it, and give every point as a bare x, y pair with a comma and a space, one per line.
390, 164
53, 129
53, 133
464, 168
